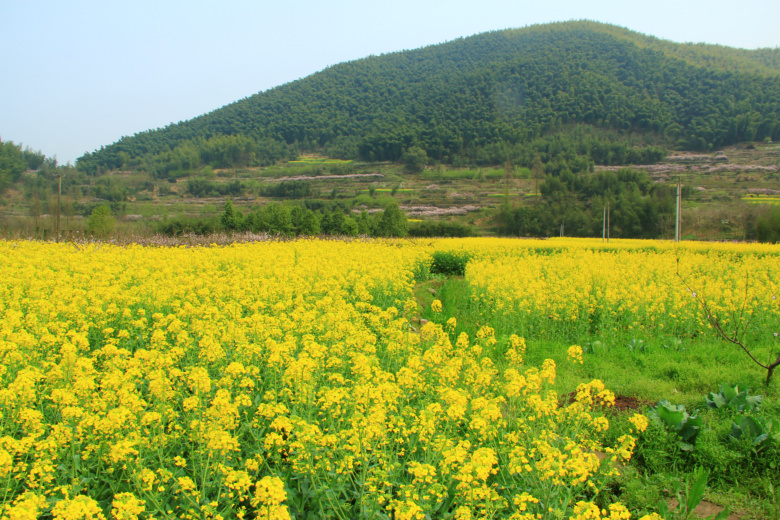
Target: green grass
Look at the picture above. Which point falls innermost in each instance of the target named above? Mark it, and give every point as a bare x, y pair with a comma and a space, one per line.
318, 160
398, 190
465, 173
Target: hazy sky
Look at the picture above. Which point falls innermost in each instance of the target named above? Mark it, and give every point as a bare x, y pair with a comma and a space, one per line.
78, 75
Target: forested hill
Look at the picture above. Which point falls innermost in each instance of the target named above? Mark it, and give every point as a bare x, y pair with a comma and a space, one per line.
482, 98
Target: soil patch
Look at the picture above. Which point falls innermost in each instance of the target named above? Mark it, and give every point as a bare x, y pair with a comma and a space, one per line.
705, 509
622, 402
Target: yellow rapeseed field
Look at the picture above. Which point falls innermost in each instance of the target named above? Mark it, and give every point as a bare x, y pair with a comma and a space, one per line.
264, 380
587, 285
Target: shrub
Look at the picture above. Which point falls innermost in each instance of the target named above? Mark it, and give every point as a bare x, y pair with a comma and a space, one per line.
760, 430
450, 263
429, 228
101, 221
676, 419
768, 227
186, 226
731, 397
392, 222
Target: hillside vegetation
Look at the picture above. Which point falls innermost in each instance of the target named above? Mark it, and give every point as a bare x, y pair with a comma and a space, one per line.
476, 100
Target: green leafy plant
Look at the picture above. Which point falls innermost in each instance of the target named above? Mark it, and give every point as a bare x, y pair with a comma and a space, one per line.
675, 418
676, 345
763, 431
730, 397
637, 345
592, 347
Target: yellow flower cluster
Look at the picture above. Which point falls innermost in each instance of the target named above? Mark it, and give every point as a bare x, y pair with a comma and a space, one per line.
275, 380
575, 354
639, 423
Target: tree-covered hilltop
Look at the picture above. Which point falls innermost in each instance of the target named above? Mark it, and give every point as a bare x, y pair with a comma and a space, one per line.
14, 161
478, 99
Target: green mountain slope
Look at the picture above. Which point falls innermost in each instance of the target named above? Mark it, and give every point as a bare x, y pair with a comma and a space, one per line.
479, 99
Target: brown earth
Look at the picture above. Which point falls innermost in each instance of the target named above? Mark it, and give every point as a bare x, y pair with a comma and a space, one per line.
705, 509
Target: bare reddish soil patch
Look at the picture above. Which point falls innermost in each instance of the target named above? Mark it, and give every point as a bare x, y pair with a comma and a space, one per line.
622, 402
705, 509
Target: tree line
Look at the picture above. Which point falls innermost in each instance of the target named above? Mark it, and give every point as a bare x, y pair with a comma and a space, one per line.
295, 220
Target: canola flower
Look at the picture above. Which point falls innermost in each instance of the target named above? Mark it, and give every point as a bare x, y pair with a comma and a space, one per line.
277, 380
584, 286
574, 354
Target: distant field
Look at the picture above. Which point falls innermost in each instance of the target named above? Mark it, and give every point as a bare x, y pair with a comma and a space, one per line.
761, 199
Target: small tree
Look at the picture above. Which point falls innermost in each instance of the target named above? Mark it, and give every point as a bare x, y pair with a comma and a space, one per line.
101, 222
393, 222
415, 159
349, 227
365, 224
310, 224
231, 219
740, 322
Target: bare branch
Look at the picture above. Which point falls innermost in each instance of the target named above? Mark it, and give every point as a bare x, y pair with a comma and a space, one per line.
742, 320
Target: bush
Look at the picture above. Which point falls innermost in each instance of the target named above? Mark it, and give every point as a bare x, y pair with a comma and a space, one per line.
450, 263
187, 226
768, 227
676, 418
101, 222
392, 222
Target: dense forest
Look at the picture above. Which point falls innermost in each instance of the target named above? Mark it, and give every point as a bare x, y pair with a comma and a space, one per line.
481, 99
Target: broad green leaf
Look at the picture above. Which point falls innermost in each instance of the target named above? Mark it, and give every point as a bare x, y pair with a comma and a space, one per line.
696, 492
729, 392
754, 401
715, 400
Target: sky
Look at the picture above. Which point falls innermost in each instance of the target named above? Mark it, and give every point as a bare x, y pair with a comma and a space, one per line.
78, 75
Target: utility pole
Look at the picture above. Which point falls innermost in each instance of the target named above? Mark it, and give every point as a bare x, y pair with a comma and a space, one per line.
677, 221
604, 225
59, 199
607, 221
